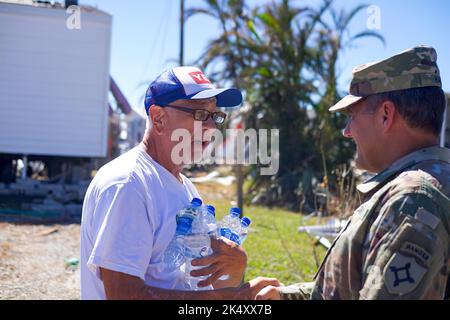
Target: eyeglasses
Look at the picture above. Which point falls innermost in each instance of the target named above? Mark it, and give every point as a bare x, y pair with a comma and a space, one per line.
201, 114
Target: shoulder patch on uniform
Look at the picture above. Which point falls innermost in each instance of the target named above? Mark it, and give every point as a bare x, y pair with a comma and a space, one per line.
427, 218
415, 180
402, 274
416, 251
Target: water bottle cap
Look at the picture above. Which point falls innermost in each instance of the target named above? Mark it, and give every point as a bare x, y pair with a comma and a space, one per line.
196, 202
211, 209
246, 221
235, 211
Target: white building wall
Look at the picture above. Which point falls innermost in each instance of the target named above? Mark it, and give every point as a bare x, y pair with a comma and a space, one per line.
53, 82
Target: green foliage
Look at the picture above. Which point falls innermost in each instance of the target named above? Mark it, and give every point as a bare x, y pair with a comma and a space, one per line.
284, 58
275, 248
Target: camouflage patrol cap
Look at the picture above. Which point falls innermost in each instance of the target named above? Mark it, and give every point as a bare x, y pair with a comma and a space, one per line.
412, 68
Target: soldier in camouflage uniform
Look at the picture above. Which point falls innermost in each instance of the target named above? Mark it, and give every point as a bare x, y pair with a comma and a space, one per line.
396, 244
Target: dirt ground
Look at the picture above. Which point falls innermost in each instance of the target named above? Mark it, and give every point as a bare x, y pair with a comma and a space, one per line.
33, 262
33, 258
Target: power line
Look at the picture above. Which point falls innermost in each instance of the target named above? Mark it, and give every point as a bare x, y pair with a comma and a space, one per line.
162, 22
181, 61
164, 38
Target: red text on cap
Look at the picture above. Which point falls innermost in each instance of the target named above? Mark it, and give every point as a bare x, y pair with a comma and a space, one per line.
199, 77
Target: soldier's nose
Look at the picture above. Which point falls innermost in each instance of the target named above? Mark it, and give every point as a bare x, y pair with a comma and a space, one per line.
346, 132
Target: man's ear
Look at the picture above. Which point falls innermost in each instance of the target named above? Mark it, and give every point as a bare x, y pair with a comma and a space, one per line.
157, 118
388, 115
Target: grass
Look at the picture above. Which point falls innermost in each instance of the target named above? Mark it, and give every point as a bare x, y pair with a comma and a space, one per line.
274, 247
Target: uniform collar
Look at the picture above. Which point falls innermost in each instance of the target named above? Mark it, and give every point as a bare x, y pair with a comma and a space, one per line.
430, 153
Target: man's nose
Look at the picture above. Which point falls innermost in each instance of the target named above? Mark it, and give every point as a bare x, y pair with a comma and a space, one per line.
346, 132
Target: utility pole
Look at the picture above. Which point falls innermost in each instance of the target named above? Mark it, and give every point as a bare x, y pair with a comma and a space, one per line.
239, 171
445, 123
181, 32
240, 187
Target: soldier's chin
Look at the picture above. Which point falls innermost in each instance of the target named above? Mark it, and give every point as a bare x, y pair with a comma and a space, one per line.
360, 164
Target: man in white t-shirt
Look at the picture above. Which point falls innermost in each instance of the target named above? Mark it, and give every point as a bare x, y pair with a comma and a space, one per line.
130, 206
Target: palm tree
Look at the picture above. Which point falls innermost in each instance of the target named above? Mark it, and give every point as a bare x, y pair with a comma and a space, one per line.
335, 38
284, 58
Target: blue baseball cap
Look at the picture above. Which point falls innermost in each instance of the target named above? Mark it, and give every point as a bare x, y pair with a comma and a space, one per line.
188, 83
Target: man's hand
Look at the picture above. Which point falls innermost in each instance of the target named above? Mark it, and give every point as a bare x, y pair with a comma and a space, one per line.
227, 259
252, 289
269, 293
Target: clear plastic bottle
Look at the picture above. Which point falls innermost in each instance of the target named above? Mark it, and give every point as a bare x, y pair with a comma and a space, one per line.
196, 246
234, 218
243, 232
242, 235
174, 256
198, 216
230, 225
193, 210
210, 220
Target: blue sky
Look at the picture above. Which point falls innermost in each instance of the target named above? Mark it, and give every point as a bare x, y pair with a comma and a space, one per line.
145, 39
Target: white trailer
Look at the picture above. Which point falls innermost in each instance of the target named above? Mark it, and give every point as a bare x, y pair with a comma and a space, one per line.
54, 80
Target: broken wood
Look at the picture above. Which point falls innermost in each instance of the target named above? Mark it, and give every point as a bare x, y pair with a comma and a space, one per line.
47, 232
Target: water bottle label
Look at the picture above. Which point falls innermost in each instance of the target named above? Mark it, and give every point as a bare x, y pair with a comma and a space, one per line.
225, 232
235, 238
184, 225
230, 234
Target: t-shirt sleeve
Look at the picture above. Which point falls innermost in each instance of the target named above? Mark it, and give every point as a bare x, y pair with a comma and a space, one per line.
122, 232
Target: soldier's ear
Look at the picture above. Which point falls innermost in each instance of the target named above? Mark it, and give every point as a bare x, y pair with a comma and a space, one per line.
388, 114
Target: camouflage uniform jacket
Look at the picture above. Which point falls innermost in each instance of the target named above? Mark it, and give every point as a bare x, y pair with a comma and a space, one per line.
396, 244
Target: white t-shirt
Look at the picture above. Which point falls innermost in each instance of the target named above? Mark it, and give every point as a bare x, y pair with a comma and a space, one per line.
128, 220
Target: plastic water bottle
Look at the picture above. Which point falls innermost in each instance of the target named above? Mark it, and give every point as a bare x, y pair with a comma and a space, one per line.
192, 211
230, 225
174, 256
198, 245
210, 220
243, 232
234, 218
